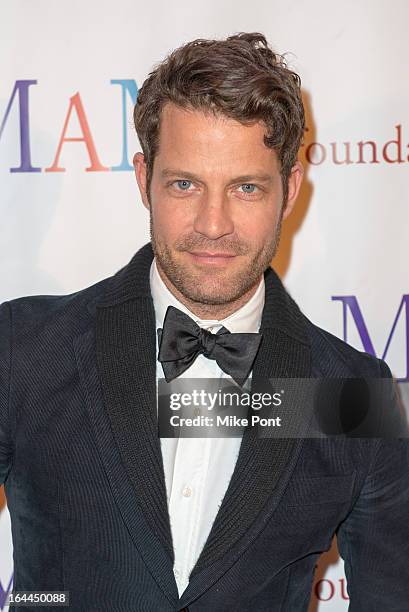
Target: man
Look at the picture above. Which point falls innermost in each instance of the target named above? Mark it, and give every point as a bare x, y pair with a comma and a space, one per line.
102, 507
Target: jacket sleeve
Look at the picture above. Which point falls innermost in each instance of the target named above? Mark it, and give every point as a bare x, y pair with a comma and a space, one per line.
373, 540
5, 372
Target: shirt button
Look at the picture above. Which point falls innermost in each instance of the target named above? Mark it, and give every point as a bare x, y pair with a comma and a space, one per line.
176, 572
210, 329
187, 492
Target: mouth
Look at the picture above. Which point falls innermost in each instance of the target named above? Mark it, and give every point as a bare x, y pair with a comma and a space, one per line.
214, 259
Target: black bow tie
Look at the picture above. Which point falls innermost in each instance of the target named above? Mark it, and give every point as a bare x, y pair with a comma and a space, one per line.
181, 340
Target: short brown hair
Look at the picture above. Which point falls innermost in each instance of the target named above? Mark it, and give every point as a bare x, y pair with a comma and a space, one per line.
240, 77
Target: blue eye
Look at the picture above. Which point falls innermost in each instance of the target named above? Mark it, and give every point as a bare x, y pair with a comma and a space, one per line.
183, 184
252, 187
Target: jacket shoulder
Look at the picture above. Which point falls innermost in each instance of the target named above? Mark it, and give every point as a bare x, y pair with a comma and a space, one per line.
331, 354
32, 313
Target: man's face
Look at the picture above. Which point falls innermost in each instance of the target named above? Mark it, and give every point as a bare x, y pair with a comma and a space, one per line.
216, 204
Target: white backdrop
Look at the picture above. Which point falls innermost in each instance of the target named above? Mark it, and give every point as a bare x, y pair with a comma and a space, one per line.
344, 251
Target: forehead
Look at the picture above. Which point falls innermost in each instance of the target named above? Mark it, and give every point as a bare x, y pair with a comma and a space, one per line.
189, 136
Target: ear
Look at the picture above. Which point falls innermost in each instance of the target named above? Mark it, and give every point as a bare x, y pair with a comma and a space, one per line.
140, 173
294, 184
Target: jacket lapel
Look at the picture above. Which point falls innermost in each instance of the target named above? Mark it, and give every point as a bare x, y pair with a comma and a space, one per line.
116, 360
122, 356
264, 465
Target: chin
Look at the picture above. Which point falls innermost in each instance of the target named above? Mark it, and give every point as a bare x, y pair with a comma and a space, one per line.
213, 295
210, 299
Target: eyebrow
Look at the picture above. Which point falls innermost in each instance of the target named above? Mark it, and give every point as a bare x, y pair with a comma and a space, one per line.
243, 178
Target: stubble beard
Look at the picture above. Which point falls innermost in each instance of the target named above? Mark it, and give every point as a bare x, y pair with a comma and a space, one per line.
218, 289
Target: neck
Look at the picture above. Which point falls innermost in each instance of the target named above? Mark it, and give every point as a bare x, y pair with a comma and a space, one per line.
209, 311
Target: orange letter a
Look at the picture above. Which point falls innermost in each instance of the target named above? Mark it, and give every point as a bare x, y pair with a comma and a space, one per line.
96, 166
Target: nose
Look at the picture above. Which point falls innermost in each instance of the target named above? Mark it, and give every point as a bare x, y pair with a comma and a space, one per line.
213, 218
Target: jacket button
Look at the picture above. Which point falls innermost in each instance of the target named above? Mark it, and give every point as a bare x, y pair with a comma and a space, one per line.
184, 610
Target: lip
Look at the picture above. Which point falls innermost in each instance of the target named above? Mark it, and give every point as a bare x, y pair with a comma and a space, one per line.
211, 258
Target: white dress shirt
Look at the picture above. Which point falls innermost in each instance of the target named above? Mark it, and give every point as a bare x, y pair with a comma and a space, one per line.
198, 470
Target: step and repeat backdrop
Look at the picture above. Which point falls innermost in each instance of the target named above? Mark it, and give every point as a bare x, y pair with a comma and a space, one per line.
69, 206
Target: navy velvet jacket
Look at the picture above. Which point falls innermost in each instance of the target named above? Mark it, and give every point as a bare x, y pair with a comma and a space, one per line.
81, 461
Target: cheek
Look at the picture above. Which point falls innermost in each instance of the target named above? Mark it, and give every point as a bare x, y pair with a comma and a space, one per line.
258, 221
170, 219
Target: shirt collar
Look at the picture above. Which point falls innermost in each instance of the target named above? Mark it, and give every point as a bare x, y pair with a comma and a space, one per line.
244, 320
